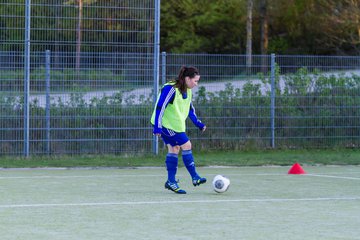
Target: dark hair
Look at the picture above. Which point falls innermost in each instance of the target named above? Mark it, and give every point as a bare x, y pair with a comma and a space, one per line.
185, 71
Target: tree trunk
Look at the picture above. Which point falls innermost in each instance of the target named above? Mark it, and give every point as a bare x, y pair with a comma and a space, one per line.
58, 14
78, 37
264, 35
264, 27
249, 35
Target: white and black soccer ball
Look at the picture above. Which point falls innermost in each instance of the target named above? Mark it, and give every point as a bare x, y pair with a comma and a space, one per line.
220, 183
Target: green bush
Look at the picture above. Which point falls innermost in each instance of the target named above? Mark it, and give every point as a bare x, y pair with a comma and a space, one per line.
312, 110
63, 80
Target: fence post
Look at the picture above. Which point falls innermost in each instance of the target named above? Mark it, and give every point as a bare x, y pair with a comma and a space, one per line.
27, 79
272, 106
156, 64
163, 68
47, 107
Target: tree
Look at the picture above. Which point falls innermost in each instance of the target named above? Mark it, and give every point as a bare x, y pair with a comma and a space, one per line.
9, 28
249, 33
264, 39
264, 42
215, 26
315, 26
340, 24
212, 26
79, 4
293, 27
3, 32
78, 36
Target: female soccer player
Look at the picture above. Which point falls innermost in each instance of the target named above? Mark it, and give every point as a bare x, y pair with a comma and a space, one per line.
172, 108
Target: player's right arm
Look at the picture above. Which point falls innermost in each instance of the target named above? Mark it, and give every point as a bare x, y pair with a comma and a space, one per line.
167, 95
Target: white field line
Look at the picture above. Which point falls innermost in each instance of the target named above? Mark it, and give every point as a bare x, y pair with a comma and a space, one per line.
95, 204
330, 176
127, 175
84, 176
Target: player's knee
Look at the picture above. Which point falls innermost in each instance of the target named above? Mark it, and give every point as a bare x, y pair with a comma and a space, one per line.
186, 146
174, 149
177, 149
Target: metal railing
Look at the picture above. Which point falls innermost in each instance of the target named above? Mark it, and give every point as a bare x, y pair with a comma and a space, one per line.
281, 101
65, 66
99, 99
293, 105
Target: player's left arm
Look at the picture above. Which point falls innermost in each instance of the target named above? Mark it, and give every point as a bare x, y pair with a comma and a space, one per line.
167, 96
194, 118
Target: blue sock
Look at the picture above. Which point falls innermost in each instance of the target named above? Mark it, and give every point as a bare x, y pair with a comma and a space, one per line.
189, 163
171, 166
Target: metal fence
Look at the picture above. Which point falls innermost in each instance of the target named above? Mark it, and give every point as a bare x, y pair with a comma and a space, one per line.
64, 67
279, 102
81, 79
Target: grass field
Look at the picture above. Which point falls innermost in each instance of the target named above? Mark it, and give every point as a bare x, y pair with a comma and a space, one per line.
224, 158
131, 203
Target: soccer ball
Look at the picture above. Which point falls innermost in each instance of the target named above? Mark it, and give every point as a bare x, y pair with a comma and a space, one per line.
220, 183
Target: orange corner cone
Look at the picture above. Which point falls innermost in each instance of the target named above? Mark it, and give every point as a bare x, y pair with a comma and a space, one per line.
296, 169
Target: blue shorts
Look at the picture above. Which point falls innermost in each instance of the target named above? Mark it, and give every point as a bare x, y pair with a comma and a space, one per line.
173, 138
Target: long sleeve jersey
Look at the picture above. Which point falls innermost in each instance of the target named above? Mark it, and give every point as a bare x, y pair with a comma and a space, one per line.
167, 96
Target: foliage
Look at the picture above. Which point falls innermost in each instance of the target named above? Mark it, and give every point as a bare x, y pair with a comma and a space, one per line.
54, 25
63, 80
295, 27
312, 109
218, 26
202, 27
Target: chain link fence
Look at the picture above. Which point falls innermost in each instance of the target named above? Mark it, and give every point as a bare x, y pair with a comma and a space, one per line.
65, 67
84, 83
279, 102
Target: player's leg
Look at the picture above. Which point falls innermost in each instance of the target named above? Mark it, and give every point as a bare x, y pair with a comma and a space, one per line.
189, 163
171, 162
171, 167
